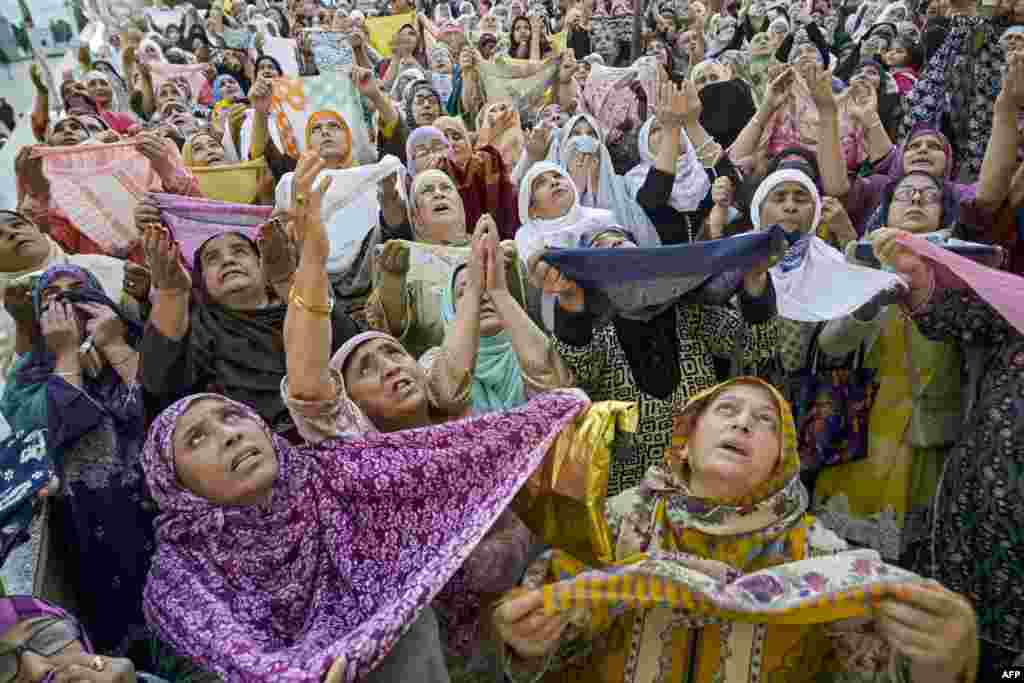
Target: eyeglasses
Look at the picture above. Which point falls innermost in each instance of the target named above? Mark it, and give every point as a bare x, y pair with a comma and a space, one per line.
48, 639
906, 195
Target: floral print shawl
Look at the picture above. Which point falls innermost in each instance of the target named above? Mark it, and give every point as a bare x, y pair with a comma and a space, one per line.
361, 534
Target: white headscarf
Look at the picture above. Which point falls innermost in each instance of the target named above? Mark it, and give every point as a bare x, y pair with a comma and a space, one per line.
537, 234
691, 182
814, 283
612, 191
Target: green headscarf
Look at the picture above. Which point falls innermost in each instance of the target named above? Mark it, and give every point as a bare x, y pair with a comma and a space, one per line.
497, 378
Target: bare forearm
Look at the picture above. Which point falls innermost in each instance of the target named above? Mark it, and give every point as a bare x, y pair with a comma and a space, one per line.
750, 136
124, 359
69, 368
878, 141
307, 335
1000, 156
830, 155
471, 93
260, 135
669, 150
393, 208
170, 313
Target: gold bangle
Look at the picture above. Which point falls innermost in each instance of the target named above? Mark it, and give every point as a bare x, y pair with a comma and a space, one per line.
323, 311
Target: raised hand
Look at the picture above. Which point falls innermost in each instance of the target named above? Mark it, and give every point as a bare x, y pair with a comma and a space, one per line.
1013, 82
277, 251
821, 88
522, 624
60, 329
261, 96
394, 258
365, 81
550, 280
839, 224
779, 90
163, 256
307, 203
104, 325
137, 281
537, 142
862, 100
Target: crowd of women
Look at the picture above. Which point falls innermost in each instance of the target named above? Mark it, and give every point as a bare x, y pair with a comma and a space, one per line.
467, 341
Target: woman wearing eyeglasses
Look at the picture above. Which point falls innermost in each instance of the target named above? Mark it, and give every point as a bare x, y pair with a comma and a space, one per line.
880, 501
42, 643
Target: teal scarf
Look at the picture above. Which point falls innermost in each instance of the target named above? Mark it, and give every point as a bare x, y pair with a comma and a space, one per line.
497, 378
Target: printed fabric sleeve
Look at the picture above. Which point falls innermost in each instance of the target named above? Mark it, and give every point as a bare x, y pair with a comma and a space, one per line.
448, 387
578, 346
71, 412
962, 316
722, 328
842, 336
316, 421
554, 374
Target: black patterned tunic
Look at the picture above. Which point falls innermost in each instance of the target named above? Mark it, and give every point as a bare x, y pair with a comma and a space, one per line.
702, 333
977, 526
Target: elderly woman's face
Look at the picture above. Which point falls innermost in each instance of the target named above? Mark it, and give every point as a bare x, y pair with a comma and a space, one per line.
425, 107
386, 383
223, 453
1014, 42
47, 634
439, 212
737, 440
916, 205
231, 268
99, 89
925, 153
790, 205
490, 322
429, 153
22, 245
206, 151
328, 137
551, 195
173, 34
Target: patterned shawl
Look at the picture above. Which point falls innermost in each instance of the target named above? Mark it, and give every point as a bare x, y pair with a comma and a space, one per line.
194, 221
98, 187
813, 282
360, 535
742, 559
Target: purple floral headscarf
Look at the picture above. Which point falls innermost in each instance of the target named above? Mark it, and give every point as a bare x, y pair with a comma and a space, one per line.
361, 534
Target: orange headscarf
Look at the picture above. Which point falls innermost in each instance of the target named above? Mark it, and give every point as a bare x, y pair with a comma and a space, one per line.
316, 117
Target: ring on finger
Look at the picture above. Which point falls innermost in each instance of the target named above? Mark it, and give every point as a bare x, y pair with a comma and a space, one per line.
98, 663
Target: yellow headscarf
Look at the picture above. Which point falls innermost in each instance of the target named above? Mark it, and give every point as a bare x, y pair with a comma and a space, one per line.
316, 117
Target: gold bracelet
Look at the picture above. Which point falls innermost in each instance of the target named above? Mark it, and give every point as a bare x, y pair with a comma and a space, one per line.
323, 311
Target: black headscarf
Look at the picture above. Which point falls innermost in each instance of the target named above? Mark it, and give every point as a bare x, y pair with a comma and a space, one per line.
727, 108
244, 352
